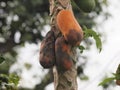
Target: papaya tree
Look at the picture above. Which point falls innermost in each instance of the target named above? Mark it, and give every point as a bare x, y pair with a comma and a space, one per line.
62, 44
27, 19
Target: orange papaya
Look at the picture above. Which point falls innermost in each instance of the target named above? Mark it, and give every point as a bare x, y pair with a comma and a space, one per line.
69, 27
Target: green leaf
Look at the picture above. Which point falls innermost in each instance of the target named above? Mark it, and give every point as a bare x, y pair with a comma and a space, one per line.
13, 78
2, 59
90, 33
118, 69
116, 75
106, 80
4, 78
81, 48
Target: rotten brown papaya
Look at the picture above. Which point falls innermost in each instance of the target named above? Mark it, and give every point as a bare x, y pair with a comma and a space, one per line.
47, 50
63, 54
118, 82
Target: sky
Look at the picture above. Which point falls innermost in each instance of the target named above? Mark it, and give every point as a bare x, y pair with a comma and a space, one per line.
107, 61
98, 65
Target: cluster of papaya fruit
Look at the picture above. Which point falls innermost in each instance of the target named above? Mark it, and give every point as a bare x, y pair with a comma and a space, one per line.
58, 51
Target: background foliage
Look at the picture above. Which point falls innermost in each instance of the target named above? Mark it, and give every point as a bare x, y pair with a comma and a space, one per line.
22, 21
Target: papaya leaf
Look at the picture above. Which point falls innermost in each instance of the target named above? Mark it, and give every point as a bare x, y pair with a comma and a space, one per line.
116, 75
118, 69
106, 80
82, 48
91, 33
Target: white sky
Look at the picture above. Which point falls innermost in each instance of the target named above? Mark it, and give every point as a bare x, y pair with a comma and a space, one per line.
98, 64
107, 61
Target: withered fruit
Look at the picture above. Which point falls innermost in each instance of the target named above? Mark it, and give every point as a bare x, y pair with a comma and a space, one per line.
63, 54
47, 50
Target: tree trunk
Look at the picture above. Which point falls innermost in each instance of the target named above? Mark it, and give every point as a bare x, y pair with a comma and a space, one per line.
66, 80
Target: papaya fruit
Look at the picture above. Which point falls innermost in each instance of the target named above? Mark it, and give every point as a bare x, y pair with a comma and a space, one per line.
118, 82
86, 5
69, 27
47, 51
63, 54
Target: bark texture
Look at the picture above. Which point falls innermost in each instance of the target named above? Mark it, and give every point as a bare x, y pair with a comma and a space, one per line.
63, 80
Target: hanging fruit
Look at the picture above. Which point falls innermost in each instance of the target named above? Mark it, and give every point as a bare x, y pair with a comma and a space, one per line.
86, 5
47, 51
69, 27
63, 54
